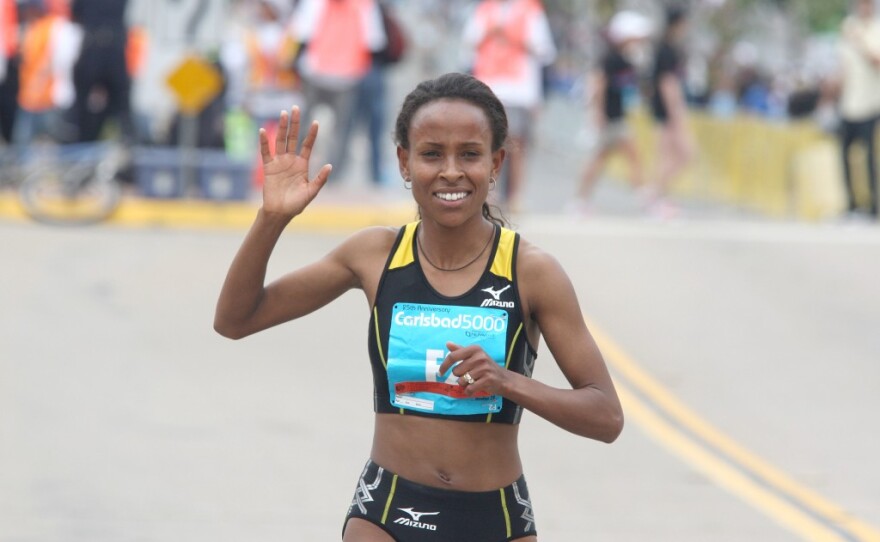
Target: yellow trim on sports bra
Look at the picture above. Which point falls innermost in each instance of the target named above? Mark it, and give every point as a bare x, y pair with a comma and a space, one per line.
379, 337
403, 256
502, 265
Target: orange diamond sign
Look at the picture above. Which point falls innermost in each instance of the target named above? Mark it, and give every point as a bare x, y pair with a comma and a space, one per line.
194, 83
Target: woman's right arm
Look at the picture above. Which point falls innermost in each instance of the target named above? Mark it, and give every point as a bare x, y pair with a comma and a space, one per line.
246, 305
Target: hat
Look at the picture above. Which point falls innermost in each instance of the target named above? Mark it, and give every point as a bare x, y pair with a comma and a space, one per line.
629, 25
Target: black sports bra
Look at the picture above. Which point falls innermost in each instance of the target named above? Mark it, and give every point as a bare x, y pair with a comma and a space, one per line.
411, 324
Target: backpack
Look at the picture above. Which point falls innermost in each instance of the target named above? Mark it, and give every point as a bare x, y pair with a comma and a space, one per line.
396, 45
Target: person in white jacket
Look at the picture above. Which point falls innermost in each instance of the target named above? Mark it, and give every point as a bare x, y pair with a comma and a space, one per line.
859, 98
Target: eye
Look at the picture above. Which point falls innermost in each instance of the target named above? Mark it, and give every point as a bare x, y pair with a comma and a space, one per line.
430, 154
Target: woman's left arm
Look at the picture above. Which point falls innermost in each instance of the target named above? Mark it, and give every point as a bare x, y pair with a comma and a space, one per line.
591, 408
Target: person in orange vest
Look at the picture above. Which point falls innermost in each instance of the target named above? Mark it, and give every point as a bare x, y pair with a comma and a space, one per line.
512, 44
8, 67
259, 60
337, 40
48, 50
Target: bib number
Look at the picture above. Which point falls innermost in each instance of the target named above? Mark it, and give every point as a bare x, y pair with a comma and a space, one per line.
417, 347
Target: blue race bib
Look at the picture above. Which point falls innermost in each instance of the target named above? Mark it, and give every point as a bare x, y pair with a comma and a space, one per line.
417, 348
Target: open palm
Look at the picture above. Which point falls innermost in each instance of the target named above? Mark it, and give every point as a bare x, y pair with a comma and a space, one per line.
287, 188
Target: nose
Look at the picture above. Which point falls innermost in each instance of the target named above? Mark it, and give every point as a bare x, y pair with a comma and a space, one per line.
451, 169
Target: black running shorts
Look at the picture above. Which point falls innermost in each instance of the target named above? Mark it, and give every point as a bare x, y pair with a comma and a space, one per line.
413, 512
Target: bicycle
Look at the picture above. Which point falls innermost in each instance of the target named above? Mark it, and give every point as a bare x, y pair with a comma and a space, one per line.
68, 184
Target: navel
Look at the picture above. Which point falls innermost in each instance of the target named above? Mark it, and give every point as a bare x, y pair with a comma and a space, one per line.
444, 477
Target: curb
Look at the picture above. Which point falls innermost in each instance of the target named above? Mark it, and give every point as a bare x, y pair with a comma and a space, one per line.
201, 214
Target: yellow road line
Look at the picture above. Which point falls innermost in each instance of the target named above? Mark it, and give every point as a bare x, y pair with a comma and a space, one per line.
723, 473
202, 214
793, 517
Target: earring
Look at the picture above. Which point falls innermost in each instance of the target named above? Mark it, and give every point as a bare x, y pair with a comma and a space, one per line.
407, 183
492, 184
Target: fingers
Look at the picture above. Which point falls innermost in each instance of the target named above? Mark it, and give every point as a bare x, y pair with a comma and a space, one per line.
450, 359
293, 131
281, 134
288, 134
265, 151
321, 178
309, 141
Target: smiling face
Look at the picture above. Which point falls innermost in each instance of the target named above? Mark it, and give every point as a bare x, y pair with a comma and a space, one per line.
450, 160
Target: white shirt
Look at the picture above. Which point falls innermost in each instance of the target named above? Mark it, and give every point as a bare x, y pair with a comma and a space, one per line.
860, 92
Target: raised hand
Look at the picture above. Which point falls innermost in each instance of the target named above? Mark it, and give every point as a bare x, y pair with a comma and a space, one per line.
287, 189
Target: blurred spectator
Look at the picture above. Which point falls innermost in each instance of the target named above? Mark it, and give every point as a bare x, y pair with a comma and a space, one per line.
669, 107
371, 104
259, 59
803, 102
48, 51
614, 88
338, 38
754, 93
60, 8
8, 67
101, 76
859, 96
512, 44
722, 99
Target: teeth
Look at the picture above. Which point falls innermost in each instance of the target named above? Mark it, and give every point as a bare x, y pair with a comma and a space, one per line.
451, 196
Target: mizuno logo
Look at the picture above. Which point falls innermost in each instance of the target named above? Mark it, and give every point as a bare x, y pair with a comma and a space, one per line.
493, 293
493, 303
414, 522
417, 515
496, 298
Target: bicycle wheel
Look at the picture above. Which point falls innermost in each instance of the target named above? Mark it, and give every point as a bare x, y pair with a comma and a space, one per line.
69, 197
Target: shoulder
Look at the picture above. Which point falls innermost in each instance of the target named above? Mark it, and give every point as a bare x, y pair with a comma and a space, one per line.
542, 282
534, 264
364, 254
377, 240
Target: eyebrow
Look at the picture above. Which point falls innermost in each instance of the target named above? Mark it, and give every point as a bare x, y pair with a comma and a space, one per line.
465, 144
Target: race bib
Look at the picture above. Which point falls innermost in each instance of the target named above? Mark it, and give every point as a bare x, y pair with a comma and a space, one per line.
417, 348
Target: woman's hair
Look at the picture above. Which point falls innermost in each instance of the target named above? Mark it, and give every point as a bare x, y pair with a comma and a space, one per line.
456, 86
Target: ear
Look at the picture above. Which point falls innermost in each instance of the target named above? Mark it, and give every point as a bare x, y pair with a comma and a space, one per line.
497, 161
403, 161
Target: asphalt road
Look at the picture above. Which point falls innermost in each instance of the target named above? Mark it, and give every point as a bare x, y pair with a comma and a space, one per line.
746, 353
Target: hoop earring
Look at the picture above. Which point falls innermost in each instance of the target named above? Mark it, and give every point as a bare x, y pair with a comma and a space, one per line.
492, 183
407, 183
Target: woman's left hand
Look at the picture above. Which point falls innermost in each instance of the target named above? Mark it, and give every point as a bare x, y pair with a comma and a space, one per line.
487, 375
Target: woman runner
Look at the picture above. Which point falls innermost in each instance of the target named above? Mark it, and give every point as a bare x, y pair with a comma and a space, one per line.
458, 304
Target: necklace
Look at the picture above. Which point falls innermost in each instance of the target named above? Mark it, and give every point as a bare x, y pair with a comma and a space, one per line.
447, 270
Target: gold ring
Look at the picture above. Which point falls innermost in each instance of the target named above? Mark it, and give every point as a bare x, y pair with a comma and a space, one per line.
468, 378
